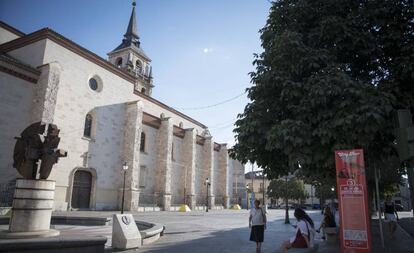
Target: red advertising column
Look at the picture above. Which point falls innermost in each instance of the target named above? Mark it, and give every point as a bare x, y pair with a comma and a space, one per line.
355, 229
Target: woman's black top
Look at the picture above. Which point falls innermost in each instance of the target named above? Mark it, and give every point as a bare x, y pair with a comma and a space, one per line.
389, 208
329, 221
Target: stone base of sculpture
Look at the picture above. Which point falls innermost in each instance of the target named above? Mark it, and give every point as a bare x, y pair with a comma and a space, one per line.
32, 209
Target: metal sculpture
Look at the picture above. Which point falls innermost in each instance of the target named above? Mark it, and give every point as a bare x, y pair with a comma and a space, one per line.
32, 146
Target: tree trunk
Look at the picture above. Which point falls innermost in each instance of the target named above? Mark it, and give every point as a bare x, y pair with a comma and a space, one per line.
287, 203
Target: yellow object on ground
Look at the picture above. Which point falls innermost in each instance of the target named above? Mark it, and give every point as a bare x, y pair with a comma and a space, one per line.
184, 208
235, 207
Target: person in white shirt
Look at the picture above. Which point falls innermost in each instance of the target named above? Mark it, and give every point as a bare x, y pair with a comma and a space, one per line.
305, 232
257, 223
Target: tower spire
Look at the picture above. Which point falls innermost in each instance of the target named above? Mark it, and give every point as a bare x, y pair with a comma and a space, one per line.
131, 35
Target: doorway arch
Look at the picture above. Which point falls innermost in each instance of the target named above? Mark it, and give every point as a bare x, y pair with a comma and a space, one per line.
82, 194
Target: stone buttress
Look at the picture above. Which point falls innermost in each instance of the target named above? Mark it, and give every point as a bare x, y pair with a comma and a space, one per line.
131, 155
208, 152
163, 170
223, 186
44, 100
189, 159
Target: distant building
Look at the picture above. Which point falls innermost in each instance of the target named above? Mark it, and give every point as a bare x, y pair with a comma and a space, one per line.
312, 199
238, 191
255, 182
259, 185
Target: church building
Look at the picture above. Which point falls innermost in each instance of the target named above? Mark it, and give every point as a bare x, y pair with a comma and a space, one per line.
107, 119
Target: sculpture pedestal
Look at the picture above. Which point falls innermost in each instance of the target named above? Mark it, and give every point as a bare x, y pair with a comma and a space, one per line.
32, 209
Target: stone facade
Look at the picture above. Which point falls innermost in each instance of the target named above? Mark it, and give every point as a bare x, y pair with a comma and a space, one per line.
169, 155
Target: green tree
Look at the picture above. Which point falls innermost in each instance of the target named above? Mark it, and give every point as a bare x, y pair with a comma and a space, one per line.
330, 76
295, 189
324, 192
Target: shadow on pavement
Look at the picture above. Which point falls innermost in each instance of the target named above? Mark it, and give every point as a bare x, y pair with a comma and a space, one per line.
404, 243
407, 224
226, 241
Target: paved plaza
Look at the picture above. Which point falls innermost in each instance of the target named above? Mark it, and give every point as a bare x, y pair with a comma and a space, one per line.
215, 231
219, 231
226, 231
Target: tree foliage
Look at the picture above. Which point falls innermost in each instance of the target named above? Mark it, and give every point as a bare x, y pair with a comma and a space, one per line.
293, 189
329, 78
324, 192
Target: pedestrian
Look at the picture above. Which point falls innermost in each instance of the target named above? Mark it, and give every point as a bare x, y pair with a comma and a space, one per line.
305, 232
257, 223
391, 216
327, 222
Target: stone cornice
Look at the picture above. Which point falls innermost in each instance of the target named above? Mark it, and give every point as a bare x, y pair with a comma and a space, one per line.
217, 146
178, 131
12, 29
13, 67
169, 108
18, 74
151, 120
200, 140
13, 63
47, 33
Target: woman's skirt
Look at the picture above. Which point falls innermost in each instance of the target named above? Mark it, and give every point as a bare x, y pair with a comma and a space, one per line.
390, 217
257, 233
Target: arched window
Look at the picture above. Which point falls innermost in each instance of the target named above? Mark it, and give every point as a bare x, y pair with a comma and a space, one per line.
87, 131
119, 62
138, 66
142, 146
143, 90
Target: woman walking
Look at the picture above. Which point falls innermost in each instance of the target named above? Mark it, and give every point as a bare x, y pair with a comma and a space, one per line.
257, 223
391, 217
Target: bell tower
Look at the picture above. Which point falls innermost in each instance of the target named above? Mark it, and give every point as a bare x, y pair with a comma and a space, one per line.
131, 57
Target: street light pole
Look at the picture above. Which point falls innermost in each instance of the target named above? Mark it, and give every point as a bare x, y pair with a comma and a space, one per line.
264, 200
247, 196
124, 168
287, 221
207, 184
312, 195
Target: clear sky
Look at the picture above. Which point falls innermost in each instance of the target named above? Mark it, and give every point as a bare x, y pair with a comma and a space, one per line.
201, 50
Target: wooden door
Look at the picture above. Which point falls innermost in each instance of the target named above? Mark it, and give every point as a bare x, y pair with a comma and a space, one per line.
81, 193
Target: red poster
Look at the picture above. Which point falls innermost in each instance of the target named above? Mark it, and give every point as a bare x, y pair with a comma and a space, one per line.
355, 229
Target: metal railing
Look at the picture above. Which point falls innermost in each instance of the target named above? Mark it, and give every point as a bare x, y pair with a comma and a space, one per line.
6, 193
